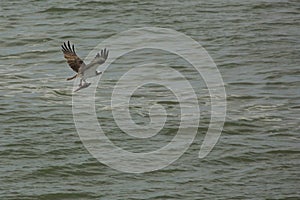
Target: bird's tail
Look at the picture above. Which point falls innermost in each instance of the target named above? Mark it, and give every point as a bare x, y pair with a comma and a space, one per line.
68, 79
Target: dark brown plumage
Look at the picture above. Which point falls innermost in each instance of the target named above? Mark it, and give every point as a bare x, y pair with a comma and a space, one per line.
73, 60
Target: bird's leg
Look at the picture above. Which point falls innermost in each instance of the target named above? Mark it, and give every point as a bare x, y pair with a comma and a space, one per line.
80, 84
85, 82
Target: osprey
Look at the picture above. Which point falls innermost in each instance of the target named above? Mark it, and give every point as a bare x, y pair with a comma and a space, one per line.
83, 71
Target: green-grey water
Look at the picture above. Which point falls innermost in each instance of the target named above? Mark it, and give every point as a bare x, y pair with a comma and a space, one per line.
256, 46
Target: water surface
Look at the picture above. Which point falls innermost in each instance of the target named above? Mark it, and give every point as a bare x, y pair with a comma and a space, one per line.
255, 45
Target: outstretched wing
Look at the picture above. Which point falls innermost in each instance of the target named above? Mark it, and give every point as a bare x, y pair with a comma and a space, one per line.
100, 58
73, 60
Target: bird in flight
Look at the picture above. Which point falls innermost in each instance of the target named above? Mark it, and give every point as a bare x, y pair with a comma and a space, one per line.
83, 71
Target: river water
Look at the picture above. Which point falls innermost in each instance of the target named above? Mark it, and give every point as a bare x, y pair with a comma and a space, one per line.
256, 47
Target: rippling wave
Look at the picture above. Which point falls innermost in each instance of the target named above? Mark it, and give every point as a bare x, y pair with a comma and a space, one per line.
256, 48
